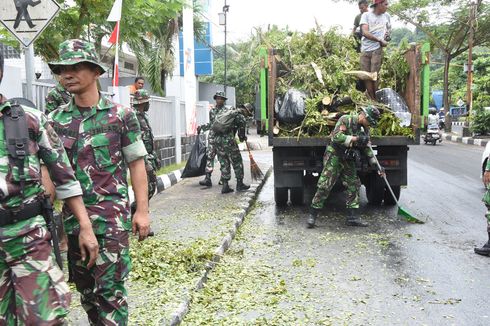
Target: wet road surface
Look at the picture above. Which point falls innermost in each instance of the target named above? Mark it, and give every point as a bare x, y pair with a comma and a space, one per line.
391, 273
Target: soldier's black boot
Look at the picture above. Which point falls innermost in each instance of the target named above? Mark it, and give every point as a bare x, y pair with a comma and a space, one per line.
206, 181
485, 249
312, 215
353, 218
226, 188
240, 186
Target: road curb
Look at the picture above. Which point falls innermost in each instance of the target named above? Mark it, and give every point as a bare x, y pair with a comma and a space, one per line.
165, 181
465, 140
248, 200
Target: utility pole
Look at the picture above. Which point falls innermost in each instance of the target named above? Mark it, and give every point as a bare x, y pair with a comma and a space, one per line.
469, 92
222, 21
30, 74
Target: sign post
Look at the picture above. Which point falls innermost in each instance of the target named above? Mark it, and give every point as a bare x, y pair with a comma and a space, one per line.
26, 20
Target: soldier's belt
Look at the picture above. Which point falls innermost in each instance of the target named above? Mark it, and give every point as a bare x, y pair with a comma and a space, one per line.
12, 216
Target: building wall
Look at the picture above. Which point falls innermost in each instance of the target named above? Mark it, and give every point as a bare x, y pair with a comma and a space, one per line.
165, 149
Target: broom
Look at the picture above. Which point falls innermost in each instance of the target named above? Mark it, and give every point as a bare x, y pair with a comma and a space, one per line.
254, 168
401, 211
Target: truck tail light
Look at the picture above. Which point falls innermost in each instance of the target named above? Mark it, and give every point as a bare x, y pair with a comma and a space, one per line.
389, 163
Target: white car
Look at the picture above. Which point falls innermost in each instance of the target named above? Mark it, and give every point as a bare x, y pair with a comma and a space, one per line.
484, 158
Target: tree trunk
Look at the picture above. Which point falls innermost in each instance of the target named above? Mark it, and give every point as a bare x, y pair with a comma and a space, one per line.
447, 61
445, 95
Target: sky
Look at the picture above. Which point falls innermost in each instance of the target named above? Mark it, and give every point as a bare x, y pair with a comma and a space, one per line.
243, 15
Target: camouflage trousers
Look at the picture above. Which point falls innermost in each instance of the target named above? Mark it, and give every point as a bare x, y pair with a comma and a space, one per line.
333, 168
211, 154
229, 155
32, 288
102, 289
486, 200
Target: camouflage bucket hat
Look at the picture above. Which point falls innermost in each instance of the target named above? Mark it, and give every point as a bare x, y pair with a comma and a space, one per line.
372, 115
220, 94
141, 96
75, 51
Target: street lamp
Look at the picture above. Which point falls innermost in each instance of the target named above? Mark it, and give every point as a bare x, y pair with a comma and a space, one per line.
222, 21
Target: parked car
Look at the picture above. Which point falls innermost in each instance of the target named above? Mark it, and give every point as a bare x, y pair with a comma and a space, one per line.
484, 158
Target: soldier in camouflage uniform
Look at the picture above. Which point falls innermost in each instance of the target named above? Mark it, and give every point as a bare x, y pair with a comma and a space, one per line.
102, 139
220, 99
485, 249
141, 103
56, 97
32, 288
339, 162
228, 152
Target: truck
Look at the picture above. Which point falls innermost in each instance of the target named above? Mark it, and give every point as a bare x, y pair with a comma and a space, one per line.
298, 160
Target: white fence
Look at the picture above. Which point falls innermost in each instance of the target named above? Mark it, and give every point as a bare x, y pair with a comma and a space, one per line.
162, 113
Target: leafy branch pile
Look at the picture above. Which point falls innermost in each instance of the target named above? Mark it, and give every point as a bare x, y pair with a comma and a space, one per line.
389, 125
315, 63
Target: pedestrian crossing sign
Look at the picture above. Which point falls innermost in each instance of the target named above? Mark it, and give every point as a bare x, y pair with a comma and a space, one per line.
26, 19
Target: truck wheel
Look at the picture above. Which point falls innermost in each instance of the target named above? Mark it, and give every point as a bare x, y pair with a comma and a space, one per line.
389, 201
281, 196
375, 189
296, 195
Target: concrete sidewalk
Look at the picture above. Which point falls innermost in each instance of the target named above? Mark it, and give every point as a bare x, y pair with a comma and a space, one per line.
465, 140
193, 228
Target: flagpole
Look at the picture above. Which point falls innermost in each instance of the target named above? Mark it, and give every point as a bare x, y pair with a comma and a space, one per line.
115, 78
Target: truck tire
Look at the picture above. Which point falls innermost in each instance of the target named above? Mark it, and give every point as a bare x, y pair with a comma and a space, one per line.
296, 195
375, 190
389, 201
281, 196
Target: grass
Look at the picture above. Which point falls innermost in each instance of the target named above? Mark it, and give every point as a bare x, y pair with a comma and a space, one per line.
164, 170
171, 167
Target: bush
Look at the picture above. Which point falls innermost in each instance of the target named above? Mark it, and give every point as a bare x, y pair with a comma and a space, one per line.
480, 122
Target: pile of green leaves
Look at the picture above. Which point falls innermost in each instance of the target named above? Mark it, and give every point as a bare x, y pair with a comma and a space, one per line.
389, 125
154, 260
316, 62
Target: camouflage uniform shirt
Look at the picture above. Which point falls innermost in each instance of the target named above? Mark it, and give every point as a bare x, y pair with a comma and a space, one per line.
100, 142
346, 128
43, 144
56, 97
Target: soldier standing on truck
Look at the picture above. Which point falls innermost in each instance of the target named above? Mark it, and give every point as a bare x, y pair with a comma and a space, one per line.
348, 140
102, 139
376, 30
356, 31
220, 99
485, 249
32, 288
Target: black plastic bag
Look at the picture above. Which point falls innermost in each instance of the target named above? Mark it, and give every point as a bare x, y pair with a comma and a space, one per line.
292, 108
196, 164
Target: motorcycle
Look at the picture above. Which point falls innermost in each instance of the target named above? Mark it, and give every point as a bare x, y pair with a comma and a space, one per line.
432, 135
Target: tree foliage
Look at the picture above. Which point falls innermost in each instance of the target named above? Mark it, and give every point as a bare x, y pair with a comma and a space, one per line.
446, 25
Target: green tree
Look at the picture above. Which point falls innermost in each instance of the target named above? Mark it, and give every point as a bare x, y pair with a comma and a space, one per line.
446, 25
150, 21
243, 62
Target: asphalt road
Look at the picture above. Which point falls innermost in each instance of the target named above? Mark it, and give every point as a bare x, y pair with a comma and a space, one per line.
391, 273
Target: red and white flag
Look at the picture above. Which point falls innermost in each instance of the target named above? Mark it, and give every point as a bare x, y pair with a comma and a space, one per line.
115, 16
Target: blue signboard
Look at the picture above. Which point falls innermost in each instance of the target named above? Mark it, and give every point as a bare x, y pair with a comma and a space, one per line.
437, 97
203, 54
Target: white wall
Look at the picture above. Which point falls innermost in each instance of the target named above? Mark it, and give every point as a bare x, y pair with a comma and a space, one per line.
12, 82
